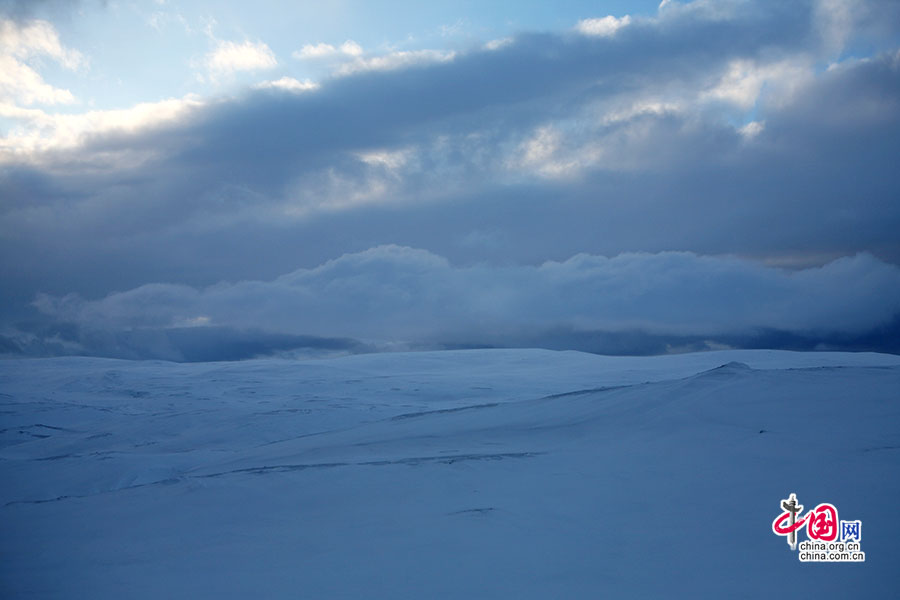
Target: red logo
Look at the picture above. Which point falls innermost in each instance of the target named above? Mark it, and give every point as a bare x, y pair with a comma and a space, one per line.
829, 540
823, 523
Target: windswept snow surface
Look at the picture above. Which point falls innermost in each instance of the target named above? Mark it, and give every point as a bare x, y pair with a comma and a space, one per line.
469, 474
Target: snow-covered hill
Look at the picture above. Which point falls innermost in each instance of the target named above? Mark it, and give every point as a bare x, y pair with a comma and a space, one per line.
469, 474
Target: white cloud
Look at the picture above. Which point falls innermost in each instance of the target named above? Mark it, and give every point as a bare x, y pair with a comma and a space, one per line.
229, 57
351, 58
617, 137
603, 27
835, 21
498, 43
752, 129
36, 38
21, 44
389, 159
396, 293
707, 10
289, 84
322, 50
19, 82
542, 153
639, 107
745, 80
351, 48
315, 51
42, 131
395, 60
378, 182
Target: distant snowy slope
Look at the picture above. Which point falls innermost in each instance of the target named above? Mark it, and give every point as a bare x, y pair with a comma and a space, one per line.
464, 474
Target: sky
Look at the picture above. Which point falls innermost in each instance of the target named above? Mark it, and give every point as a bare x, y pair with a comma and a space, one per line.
223, 180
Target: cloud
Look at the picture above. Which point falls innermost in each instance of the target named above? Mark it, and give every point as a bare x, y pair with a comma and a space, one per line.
351, 58
836, 20
48, 131
708, 10
321, 50
19, 82
498, 43
744, 82
401, 59
228, 57
289, 84
37, 38
712, 128
392, 294
182, 344
603, 27
22, 43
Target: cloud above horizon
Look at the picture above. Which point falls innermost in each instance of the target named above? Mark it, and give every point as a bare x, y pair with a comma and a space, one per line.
228, 57
763, 131
392, 295
21, 48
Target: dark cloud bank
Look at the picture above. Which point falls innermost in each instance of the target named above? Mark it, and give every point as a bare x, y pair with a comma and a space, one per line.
475, 202
392, 297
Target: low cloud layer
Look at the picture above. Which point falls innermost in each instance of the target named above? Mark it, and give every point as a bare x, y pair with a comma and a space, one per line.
393, 296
